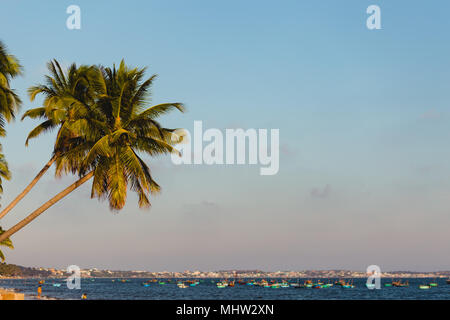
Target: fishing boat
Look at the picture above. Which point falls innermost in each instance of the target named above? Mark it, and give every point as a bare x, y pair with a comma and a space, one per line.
57, 285
370, 286
340, 282
303, 285
399, 283
221, 285
424, 286
348, 285
433, 284
192, 283
146, 284
263, 283
181, 285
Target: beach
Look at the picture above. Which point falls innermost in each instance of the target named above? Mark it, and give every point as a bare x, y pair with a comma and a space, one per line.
7, 294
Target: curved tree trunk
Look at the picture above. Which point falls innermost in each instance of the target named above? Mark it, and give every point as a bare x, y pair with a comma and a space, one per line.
28, 188
45, 206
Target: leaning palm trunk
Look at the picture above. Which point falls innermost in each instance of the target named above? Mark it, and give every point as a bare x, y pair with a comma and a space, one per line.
45, 206
28, 188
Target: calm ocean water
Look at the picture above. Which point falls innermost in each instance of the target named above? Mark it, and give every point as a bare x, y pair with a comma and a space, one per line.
134, 289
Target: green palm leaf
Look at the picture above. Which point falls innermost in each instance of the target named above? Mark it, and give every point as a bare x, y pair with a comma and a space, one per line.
5, 243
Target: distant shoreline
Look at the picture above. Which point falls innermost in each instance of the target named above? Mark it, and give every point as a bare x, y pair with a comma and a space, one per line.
11, 271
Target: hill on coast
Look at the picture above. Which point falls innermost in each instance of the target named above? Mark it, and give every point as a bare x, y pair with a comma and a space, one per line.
12, 270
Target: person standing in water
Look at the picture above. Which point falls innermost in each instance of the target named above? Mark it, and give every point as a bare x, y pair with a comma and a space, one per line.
84, 296
39, 291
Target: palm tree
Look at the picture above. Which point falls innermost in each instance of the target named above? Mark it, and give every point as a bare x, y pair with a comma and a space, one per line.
67, 97
9, 105
129, 130
6, 243
119, 128
4, 170
9, 100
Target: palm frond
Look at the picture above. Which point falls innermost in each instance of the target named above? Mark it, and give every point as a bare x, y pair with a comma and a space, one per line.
41, 128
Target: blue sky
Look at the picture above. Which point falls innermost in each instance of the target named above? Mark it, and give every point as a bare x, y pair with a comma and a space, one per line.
364, 130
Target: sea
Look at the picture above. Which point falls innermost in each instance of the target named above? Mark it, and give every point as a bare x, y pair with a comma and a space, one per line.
166, 289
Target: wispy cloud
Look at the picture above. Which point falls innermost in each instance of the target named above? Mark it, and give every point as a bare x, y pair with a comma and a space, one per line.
287, 150
321, 193
431, 114
202, 207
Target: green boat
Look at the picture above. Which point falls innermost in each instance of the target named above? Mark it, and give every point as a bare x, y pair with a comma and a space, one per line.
433, 284
388, 284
